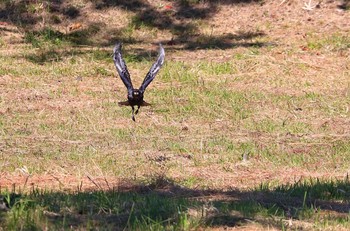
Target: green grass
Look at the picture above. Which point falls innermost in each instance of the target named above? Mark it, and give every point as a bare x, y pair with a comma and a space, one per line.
159, 209
83, 115
107, 210
335, 42
231, 110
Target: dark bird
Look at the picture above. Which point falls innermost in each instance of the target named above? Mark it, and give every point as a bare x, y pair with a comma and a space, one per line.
135, 96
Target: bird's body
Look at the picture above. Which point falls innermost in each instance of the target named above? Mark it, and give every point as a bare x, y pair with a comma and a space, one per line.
136, 99
135, 96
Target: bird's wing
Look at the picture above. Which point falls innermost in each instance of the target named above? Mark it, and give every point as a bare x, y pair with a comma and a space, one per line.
121, 67
154, 69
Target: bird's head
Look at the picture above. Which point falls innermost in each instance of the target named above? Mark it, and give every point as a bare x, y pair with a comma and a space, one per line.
136, 94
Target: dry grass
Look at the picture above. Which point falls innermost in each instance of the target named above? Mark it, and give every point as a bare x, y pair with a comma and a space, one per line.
252, 93
287, 98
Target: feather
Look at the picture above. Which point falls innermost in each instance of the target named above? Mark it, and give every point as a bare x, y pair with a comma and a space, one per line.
154, 69
121, 67
135, 96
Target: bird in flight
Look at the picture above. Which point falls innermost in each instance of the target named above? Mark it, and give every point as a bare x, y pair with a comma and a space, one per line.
135, 96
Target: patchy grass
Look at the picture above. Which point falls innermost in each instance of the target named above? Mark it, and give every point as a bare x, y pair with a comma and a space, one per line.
156, 206
334, 42
248, 110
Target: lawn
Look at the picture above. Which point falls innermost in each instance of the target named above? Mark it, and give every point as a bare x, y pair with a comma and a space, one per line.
248, 128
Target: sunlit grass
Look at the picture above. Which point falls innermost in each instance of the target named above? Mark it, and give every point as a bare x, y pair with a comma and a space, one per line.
71, 102
226, 112
334, 42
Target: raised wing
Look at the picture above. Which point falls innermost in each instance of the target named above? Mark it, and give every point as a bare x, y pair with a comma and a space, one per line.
121, 67
154, 69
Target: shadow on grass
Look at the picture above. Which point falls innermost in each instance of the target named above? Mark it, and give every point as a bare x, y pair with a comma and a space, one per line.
226, 41
163, 204
179, 18
56, 53
51, 54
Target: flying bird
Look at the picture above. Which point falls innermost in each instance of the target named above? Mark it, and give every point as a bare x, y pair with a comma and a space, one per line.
135, 96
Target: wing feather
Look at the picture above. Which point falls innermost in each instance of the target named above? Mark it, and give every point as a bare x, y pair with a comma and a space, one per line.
121, 67
154, 69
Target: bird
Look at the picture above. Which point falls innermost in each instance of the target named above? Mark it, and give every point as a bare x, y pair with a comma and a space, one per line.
135, 96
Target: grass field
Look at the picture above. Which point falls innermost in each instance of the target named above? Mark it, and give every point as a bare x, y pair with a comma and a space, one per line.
249, 127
